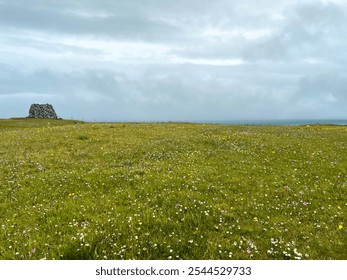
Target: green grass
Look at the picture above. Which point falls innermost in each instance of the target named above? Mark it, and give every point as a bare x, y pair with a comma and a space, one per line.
73, 190
19, 123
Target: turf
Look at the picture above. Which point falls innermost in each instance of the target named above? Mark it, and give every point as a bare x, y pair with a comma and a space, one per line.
75, 190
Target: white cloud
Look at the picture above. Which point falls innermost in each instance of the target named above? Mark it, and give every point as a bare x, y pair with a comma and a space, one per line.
224, 35
201, 61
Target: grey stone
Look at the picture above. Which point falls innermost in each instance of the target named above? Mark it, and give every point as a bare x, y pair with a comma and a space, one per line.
45, 111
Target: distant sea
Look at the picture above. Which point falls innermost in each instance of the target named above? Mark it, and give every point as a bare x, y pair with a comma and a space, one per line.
284, 122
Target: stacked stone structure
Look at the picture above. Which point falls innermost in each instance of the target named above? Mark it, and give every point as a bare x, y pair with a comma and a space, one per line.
45, 111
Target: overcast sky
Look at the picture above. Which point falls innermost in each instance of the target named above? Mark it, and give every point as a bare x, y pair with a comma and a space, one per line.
177, 60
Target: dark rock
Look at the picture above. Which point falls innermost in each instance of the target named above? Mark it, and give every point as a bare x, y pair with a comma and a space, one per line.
45, 111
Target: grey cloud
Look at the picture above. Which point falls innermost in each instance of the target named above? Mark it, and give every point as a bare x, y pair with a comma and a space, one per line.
329, 87
181, 93
154, 20
115, 23
43, 81
297, 70
310, 30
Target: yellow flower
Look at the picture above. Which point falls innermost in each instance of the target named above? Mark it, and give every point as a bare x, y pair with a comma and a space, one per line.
338, 207
340, 227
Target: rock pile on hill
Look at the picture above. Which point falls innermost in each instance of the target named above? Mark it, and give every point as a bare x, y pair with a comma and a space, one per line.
45, 111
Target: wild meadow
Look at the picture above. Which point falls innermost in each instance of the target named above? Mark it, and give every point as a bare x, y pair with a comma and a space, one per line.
74, 190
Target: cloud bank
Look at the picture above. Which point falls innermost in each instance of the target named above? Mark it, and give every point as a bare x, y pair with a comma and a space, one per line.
185, 60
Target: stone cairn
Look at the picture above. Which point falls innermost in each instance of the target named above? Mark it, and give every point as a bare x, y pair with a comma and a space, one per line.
44, 111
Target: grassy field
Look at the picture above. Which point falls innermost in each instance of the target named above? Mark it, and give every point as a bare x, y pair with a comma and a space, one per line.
74, 190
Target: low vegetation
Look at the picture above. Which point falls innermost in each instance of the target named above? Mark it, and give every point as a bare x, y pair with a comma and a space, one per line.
74, 190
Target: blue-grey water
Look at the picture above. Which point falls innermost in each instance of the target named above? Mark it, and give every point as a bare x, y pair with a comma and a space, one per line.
285, 122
